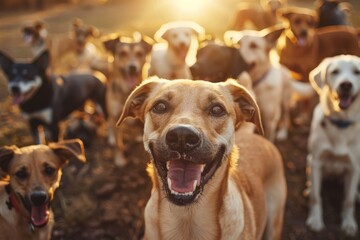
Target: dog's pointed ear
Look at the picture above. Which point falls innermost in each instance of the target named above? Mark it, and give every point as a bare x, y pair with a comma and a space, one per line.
135, 103
145, 41
110, 43
272, 34
238, 64
93, 32
6, 154
43, 60
6, 62
317, 76
246, 108
67, 149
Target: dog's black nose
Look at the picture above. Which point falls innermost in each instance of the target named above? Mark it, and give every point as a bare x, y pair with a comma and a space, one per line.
15, 90
132, 69
303, 33
38, 198
345, 86
182, 138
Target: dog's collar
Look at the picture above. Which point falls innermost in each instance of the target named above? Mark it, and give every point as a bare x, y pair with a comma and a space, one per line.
340, 123
14, 202
262, 78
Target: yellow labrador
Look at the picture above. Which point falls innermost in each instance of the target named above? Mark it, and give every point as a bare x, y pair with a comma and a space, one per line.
207, 183
171, 60
335, 136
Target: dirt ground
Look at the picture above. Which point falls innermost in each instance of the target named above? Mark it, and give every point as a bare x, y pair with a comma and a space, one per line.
98, 201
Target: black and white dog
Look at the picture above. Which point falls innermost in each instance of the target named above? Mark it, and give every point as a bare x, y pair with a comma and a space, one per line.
46, 99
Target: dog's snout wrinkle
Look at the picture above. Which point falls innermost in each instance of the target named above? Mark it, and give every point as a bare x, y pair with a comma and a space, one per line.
38, 198
182, 138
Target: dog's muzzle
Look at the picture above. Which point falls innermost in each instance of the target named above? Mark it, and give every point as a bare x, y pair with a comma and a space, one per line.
185, 162
345, 95
39, 208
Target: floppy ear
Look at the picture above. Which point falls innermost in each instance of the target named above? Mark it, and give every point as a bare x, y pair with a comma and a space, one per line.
272, 34
317, 76
6, 154
68, 149
110, 44
93, 32
245, 105
42, 61
6, 62
238, 64
135, 103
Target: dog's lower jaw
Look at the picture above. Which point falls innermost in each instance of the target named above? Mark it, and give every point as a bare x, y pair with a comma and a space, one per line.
207, 172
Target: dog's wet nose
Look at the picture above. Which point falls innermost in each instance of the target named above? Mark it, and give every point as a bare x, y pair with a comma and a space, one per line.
38, 198
303, 33
182, 138
132, 69
345, 86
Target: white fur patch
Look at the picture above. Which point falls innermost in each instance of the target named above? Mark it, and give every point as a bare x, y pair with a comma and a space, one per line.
45, 115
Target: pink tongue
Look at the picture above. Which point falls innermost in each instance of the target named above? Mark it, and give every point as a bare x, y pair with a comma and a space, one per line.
182, 53
183, 175
17, 99
39, 215
131, 82
345, 102
301, 41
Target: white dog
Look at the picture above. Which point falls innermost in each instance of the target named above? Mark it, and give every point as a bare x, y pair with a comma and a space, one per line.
171, 60
271, 82
335, 136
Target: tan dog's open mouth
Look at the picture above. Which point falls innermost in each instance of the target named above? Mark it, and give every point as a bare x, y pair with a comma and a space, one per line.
183, 177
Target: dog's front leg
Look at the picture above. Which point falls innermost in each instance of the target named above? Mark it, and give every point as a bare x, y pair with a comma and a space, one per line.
315, 220
349, 225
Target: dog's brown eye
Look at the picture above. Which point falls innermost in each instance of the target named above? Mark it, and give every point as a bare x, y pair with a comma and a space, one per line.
297, 21
160, 107
217, 110
49, 171
335, 72
123, 54
356, 71
139, 54
21, 174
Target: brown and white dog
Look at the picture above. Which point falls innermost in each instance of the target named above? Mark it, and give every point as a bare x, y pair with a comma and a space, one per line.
25, 199
130, 55
170, 60
35, 35
257, 16
335, 136
302, 47
271, 82
207, 183
82, 55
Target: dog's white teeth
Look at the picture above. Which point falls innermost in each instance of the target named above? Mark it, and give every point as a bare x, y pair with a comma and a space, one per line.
202, 167
181, 194
169, 182
195, 185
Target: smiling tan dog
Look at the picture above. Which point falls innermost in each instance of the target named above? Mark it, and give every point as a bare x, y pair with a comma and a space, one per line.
207, 183
35, 173
335, 136
171, 61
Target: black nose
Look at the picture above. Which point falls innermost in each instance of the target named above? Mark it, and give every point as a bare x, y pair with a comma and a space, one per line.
15, 90
182, 138
132, 69
38, 198
345, 86
303, 33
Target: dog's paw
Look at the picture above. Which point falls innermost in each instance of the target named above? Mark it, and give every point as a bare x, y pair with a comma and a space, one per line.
282, 134
349, 226
120, 160
315, 222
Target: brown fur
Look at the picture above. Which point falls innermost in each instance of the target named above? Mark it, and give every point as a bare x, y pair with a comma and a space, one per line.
302, 47
130, 56
32, 169
245, 193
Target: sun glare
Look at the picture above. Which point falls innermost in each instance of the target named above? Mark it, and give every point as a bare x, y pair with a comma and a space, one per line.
190, 6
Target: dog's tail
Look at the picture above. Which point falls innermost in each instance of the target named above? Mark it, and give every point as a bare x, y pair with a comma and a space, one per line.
302, 89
